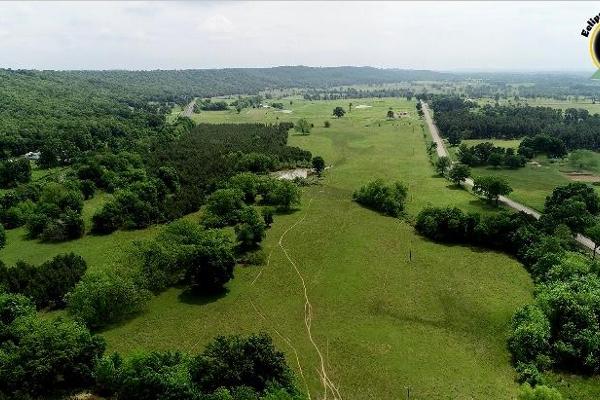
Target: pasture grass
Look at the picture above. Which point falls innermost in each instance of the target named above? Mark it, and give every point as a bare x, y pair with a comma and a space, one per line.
391, 310
436, 323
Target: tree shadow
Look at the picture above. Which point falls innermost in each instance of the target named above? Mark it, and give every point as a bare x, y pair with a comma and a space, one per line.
452, 186
482, 203
190, 296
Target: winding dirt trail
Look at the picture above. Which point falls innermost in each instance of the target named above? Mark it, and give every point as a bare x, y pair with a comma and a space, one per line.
442, 152
328, 385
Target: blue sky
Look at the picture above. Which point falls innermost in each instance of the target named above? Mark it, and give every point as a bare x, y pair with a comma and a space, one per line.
178, 35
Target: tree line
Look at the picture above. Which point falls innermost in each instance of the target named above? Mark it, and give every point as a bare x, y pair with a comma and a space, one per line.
459, 118
558, 330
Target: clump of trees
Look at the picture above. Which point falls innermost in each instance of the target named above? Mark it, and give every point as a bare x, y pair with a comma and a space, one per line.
47, 284
14, 172
575, 205
42, 356
57, 214
487, 154
388, 199
48, 357
102, 298
553, 147
209, 105
230, 367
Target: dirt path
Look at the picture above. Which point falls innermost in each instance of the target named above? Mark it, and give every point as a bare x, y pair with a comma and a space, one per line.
328, 385
189, 109
442, 152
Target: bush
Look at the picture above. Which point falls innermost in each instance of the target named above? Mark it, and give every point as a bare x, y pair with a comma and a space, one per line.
57, 215
539, 392
12, 306
230, 368
267, 213
445, 224
88, 189
388, 199
13, 172
2, 237
318, 164
103, 298
529, 373
256, 162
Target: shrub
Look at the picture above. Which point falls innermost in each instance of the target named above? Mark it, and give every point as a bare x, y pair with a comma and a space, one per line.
529, 373
267, 213
102, 298
88, 188
256, 162
388, 199
2, 237
318, 164
539, 392
107, 219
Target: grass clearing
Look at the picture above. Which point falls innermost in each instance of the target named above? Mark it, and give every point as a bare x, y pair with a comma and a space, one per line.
437, 324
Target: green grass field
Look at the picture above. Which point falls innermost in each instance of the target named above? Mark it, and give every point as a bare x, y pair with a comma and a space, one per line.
390, 310
437, 324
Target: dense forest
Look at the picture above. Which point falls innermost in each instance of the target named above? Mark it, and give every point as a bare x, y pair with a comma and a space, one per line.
458, 117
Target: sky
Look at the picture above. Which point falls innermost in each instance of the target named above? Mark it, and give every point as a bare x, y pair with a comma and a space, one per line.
446, 36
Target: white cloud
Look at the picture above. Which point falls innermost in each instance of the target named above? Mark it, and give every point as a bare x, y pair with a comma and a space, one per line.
137, 35
217, 24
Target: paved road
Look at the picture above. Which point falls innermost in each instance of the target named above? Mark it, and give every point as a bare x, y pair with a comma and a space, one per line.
442, 152
189, 109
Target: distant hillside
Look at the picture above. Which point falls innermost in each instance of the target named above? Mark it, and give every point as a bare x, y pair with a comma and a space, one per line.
168, 84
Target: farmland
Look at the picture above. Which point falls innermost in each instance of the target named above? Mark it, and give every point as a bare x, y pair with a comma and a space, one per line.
387, 304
